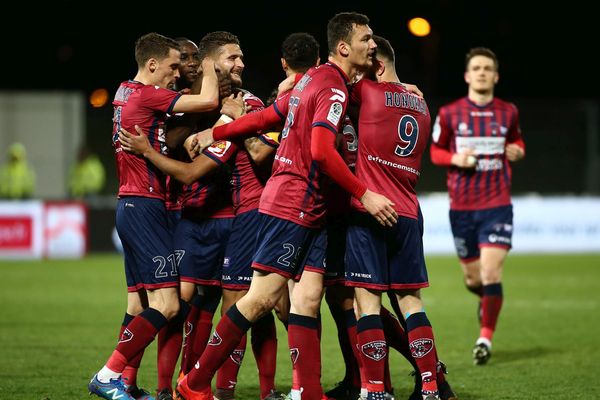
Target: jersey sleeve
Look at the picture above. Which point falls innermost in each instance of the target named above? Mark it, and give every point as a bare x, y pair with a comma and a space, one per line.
221, 151
159, 99
440, 134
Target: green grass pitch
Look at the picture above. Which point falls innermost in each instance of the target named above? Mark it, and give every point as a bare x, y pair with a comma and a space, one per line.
59, 320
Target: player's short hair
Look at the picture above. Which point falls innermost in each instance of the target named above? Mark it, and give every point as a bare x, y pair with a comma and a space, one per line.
481, 51
153, 45
340, 27
384, 49
300, 50
182, 40
210, 44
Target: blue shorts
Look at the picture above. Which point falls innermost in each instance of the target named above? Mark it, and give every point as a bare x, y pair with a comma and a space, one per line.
173, 217
288, 249
147, 243
384, 258
237, 264
475, 229
201, 243
337, 228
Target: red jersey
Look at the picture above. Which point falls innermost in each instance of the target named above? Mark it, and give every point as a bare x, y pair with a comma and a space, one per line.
146, 106
210, 194
486, 129
338, 200
295, 191
393, 131
248, 179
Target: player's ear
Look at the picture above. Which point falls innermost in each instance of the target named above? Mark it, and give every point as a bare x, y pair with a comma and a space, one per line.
284, 64
152, 64
343, 49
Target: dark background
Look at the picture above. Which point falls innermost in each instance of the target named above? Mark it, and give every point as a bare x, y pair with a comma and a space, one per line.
548, 61
543, 51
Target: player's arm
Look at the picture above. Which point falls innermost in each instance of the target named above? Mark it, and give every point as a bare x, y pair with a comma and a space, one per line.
208, 98
324, 153
515, 147
182, 171
247, 125
439, 151
262, 148
445, 158
515, 151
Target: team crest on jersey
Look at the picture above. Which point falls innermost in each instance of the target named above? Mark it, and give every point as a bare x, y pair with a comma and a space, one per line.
126, 336
237, 356
294, 353
420, 347
335, 113
220, 148
215, 339
463, 129
375, 350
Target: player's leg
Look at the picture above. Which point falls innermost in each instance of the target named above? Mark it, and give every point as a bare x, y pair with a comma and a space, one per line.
150, 265
495, 238
228, 372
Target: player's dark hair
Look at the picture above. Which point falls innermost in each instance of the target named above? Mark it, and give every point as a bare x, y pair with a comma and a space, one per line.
481, 51
384, 48
212, 41
340, 27
153, 45
300, 50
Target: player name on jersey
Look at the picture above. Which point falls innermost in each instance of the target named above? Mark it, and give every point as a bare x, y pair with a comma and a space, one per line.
405, 100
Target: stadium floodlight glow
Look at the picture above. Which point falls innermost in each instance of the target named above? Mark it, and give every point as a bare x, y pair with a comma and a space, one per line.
419, 27
99, 98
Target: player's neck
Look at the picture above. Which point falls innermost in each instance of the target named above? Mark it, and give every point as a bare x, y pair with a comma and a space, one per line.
142, 78
349, 69
389, 76
481, 98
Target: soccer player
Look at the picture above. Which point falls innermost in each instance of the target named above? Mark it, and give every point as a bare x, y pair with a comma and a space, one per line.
141, 219
393, 129
170, 338
475, 137
292, 238
252, 168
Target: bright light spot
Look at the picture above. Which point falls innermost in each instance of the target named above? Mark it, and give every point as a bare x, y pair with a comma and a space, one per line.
98, 98
419, 27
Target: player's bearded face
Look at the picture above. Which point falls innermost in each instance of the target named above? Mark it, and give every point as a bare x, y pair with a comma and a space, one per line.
230, 60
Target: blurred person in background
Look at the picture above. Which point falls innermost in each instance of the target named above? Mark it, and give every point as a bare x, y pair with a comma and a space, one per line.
17, 177
87, 175
475, 137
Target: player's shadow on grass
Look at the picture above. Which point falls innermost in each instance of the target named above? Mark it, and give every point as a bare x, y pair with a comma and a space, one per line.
508, 356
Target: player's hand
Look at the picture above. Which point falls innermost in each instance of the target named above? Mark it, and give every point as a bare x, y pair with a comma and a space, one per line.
135, 144
190, 145
514, 152
207, 66
379, 207
203, 139
224, 84
413, 89
286, 84
466, 159
234, 106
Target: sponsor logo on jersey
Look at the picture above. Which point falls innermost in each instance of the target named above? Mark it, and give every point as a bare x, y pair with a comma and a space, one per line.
220, 148
335, 113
